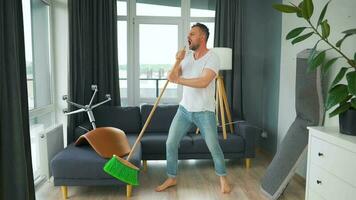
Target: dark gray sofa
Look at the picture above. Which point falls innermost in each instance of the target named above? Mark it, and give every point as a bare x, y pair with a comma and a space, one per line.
81, 165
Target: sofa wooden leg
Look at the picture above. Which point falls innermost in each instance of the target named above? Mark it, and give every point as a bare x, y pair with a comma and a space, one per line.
144, 165
64, 192
248, 163
128, 190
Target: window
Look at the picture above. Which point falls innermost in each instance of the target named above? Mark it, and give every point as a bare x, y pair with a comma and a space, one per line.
121, 8
38, 70
41, 65
154, 65
26, 8
122, 51
202, 8
158, 8
149, 34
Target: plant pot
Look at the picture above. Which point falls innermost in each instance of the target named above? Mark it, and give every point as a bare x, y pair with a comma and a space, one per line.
347, 122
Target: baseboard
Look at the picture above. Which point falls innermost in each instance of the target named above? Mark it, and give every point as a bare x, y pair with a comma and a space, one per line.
260, 151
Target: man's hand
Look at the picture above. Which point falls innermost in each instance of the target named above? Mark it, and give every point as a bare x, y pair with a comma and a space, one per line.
172, 77
174, 74
180, 55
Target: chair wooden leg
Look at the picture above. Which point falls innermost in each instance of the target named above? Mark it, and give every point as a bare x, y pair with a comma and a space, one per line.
64, 192
128, 190
248, 163
145, 165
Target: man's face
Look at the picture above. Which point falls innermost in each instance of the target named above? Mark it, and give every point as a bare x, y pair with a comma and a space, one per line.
195, 38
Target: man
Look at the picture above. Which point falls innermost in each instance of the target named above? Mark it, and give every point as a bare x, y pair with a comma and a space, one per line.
196, 71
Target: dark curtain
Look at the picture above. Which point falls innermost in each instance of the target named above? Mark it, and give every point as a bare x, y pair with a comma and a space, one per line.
228, 33
16, 176
93, 57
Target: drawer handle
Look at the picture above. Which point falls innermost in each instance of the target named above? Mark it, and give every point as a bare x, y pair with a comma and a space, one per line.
318, 182
320, 154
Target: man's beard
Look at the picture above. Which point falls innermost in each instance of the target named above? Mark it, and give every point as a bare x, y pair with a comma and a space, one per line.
194, 47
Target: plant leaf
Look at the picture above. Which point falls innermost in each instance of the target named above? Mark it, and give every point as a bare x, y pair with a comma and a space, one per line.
342, 108
295, 32
336, 95
322, 14
351, 81
347, 34
325, 29
285, 8
350, 31
307, 9
338, 43
348, 98
353, 103
355, 57
339, 76
301, 38
300, 12
312, 53
328, 64
317, 61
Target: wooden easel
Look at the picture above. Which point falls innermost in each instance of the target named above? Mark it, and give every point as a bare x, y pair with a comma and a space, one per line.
222, 105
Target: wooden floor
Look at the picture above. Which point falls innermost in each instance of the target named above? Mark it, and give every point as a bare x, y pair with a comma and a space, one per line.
196, 180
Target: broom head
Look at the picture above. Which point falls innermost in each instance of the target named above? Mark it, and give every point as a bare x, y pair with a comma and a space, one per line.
122, 169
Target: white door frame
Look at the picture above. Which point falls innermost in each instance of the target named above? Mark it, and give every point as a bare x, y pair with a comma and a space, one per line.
137, 100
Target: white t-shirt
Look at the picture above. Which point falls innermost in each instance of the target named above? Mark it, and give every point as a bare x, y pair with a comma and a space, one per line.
199, 99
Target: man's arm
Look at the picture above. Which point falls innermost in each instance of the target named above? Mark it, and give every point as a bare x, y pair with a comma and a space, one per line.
174, 75
203, 81
176, 70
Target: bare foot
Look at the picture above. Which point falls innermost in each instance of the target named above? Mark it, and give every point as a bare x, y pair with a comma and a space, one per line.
168, 183
225, 186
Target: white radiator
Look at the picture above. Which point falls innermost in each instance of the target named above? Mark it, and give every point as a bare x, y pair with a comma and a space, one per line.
50, 143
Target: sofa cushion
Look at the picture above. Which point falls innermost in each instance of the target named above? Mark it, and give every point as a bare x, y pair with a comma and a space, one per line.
161, 119
83, 162
233, 144
127, 119
156, 143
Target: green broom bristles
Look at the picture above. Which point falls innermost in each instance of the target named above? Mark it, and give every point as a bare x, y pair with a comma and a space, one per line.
121, 171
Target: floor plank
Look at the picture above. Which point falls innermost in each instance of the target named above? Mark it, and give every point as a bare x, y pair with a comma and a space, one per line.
196, 180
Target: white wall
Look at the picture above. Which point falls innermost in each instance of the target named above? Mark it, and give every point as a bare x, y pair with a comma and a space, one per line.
59, 20
341, 16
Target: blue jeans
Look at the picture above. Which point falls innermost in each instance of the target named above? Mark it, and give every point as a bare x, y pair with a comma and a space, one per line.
206, 122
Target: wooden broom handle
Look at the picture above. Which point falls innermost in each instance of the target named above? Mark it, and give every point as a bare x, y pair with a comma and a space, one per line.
149, 117
147, 121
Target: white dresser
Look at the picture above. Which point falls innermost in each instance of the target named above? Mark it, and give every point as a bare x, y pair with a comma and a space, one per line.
331, 171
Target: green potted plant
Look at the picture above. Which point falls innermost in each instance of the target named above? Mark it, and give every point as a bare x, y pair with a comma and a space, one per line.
343, 95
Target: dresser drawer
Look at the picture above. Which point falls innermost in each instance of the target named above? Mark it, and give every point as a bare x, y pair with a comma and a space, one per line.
314, 196
329, 186
334, 159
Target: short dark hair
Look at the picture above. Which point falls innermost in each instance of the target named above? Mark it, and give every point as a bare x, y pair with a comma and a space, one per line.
202, 28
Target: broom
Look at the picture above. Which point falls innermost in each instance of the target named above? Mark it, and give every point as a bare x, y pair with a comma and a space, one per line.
122, 169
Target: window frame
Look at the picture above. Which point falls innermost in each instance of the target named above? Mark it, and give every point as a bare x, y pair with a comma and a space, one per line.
133, 21
49, 109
